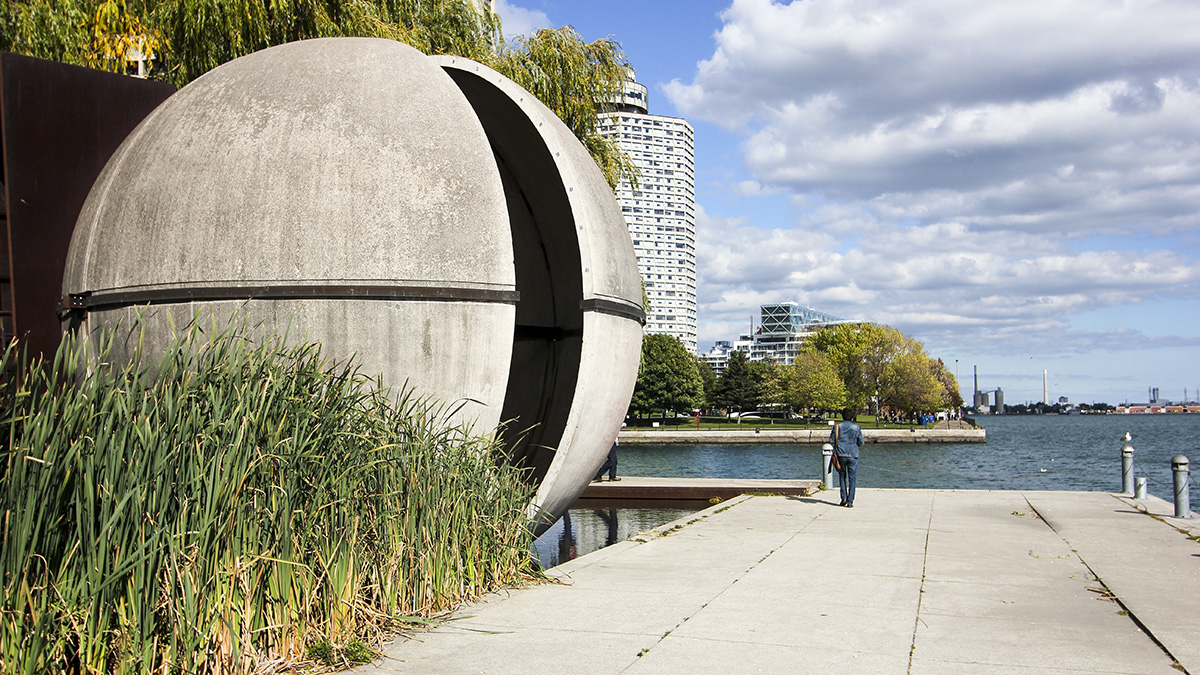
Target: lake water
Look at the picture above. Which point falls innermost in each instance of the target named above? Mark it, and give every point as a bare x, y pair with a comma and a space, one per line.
1025, 452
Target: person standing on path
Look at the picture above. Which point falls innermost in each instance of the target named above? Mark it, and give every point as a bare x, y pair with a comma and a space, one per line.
847, 438
610, 465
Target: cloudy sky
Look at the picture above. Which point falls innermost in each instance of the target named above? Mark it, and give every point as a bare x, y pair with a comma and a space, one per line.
1015, 184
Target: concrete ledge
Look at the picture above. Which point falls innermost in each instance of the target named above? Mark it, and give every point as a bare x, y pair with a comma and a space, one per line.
813, 436
651, 488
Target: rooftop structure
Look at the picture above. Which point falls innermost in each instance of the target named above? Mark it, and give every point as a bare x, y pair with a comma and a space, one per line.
778, 339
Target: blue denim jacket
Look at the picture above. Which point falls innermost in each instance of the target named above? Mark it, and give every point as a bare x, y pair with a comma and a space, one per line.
849, 437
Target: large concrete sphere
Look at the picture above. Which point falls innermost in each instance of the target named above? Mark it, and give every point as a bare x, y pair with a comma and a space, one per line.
310, 177
427, 215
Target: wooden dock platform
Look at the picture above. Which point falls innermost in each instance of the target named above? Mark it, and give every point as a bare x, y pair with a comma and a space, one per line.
652, 488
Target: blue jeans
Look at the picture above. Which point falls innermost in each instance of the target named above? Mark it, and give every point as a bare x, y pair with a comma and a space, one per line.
610, 464
846, 476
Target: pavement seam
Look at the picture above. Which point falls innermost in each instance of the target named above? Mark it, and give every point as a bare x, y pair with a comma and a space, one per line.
1133, 503
749, 569
1110, 595
912, 649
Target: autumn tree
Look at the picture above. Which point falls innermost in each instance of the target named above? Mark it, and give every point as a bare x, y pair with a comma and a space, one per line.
909, 384
951, 396
813, 383
861, 353
768, 383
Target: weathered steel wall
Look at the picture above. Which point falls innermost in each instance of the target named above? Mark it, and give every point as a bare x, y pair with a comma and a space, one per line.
59, 125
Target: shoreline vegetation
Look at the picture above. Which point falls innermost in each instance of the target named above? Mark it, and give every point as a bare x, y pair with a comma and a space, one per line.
238, 505
810, 436
750, 422
809, 431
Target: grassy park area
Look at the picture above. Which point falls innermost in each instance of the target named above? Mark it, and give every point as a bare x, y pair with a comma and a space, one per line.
750, 421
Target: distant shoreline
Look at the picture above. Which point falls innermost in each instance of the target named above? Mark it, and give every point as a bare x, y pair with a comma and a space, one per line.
915, 435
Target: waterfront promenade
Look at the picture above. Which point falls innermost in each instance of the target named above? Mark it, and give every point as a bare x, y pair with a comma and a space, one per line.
908, 581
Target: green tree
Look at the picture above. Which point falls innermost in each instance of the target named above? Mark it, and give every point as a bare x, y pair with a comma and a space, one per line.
668, 379
813, 383
709, 378
768, 382
574, 79
736, 389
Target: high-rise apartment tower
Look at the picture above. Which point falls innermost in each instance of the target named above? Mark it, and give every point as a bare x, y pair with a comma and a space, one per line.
661, 210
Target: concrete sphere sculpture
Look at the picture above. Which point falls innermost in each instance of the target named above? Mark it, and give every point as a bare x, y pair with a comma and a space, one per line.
424, 213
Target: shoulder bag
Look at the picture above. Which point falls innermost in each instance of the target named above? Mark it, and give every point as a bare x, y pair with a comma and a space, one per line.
833, 461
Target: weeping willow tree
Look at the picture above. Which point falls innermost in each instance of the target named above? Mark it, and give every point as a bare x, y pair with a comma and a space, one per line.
82, 32
186, 38
574, 79
180, 40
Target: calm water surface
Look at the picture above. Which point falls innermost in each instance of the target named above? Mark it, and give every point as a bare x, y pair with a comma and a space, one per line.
1050, 452
1027, 452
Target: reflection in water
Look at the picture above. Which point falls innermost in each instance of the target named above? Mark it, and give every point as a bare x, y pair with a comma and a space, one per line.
609, 516
566, 540
592, 526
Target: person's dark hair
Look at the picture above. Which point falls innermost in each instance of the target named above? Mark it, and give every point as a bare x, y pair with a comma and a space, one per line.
848, 414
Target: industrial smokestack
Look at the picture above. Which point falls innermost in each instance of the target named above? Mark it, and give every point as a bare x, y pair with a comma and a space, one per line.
976, 379
1045, 388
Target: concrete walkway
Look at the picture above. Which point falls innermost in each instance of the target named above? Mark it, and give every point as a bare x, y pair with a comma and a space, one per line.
908, 581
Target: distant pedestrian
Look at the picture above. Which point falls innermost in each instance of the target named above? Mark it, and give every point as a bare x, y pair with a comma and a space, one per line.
847, 438
610, 465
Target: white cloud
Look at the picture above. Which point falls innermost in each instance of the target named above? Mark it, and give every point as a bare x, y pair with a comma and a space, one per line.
518, 20
973, 172
948, 284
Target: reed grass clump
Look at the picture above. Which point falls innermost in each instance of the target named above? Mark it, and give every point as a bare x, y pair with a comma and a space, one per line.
231, 504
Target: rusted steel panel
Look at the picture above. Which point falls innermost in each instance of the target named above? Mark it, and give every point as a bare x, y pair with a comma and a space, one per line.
59, 125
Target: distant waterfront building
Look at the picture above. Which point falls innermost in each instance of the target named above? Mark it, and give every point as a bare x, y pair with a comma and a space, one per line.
781, 333
718, 357
785, 327
661, 211
999, 401
981, 400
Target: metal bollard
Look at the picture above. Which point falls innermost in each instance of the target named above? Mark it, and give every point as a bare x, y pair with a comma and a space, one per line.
1139, 484
1127, 465
827, 465
1179, 467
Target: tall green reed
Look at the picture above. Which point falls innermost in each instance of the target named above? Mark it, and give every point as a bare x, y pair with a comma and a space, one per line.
226, 505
